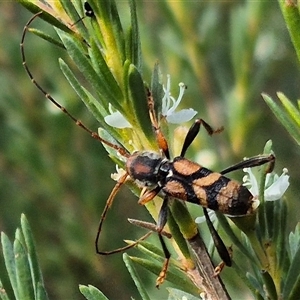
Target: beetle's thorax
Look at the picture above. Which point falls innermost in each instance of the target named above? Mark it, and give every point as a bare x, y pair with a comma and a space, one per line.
147, 167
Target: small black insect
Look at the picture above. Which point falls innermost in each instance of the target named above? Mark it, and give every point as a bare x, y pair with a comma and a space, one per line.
88, 12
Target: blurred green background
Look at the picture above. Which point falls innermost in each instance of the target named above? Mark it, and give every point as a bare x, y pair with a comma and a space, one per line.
226, 52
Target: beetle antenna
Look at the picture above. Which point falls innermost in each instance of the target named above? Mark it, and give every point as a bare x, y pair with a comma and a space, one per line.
122, 151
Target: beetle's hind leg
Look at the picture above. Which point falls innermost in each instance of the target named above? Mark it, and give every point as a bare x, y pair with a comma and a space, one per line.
161, 222
193, 132
251, 162
109, 202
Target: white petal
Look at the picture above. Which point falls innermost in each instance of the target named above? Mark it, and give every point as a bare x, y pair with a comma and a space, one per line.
166, 101
165, 105
117, 120
278, 188
120, 173
174, 106
253, 182
182, 88
202, 219
181, 116
170, 104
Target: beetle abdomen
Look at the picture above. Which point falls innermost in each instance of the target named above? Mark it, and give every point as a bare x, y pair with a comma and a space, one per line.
191, 182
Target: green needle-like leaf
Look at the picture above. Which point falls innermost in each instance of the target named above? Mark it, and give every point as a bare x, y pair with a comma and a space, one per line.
175, 294
98, 83
293, 112
178, 236
133, 43
32, 255
3, 294
138, 98
294, 241
174, 276
292, 278
9, 259
291, 15
47, 37
136, 278
24, 280
105, 73
157, 87
41, 292
283, 117
22, 264
269, 285
45, 16
92, 104
92, 293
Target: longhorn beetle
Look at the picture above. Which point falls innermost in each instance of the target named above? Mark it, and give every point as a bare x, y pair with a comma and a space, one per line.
178, 178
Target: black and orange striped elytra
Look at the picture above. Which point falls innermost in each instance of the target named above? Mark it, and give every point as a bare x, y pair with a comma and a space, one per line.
186, 180
179, 178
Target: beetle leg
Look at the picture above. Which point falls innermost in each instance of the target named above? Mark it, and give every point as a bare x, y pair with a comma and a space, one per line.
254, 161
162, 220
148, 195
160, 138
193, 132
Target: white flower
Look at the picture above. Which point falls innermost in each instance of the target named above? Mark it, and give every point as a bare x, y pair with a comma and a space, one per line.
275, 186
116, 119
169, 105
120, 173
211, 215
